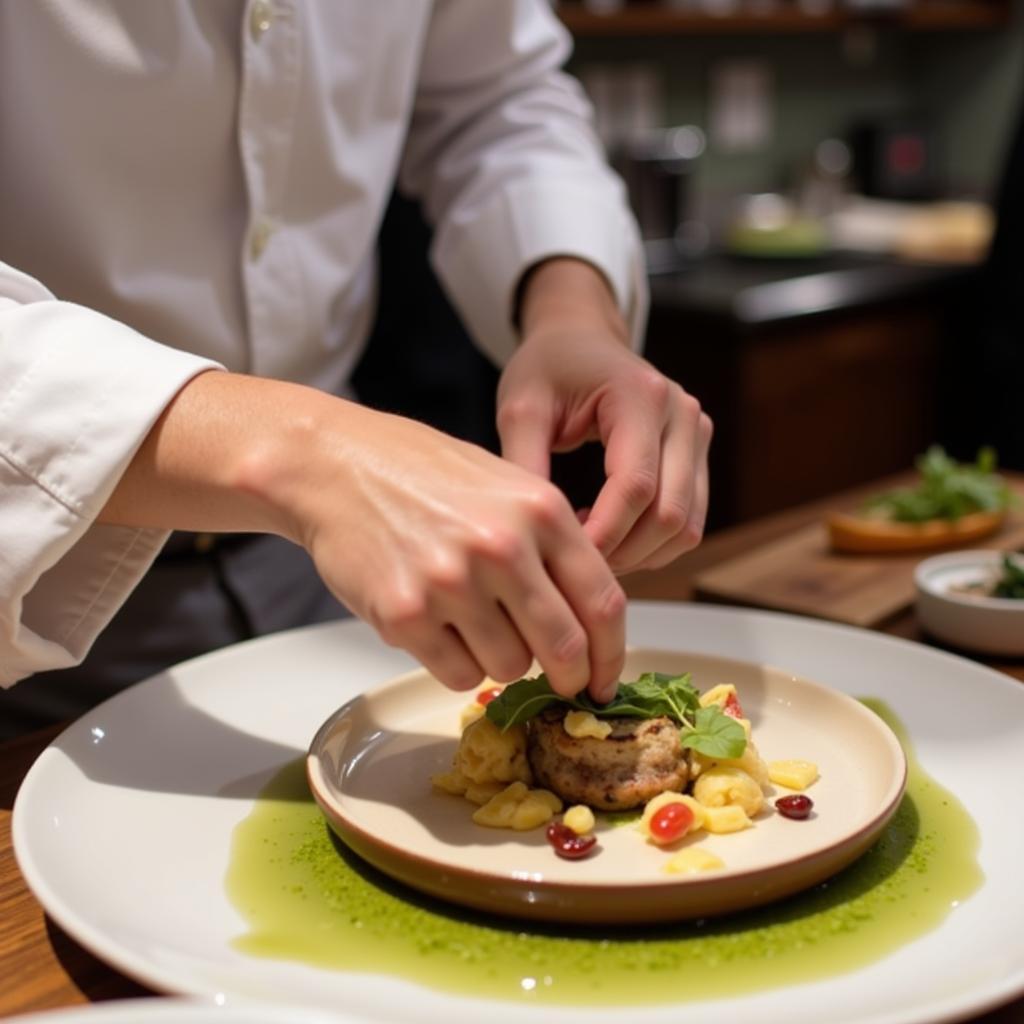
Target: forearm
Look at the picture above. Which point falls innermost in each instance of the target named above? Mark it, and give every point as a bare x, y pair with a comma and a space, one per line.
218, 457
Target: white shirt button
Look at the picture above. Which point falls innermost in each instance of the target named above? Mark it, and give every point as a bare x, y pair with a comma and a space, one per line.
259, 236
261, 15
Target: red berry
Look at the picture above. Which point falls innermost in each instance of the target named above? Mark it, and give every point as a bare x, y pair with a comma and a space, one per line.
567, 843
795, 806
486, 696
670, 822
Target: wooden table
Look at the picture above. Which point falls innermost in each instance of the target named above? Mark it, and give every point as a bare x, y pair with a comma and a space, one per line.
41, 967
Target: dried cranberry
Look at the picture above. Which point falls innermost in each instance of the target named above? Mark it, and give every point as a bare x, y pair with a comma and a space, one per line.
567, 844
795, 806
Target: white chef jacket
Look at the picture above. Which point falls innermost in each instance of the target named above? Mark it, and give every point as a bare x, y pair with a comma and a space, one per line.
187, 184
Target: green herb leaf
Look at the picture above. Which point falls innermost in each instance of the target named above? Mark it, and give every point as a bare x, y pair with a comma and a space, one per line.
521, 701
715, 734
652, 695
947, 490
1011, 583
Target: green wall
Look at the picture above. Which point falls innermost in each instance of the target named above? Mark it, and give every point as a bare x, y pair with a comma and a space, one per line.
968, 84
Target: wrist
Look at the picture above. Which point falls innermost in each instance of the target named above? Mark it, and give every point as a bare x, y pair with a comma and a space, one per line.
567, 293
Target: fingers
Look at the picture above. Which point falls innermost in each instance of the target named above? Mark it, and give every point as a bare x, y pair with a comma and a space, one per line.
687, 539
631, 431
671, 519
674, 521
508, 598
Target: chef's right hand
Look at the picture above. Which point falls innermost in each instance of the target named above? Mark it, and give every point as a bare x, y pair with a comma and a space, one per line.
473, 565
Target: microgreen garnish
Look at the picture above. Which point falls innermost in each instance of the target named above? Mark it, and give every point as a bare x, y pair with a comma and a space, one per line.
708, 731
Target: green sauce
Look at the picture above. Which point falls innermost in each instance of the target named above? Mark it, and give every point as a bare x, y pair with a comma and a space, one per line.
307, 898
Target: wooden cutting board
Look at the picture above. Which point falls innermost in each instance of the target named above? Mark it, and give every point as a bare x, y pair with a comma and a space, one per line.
800, 573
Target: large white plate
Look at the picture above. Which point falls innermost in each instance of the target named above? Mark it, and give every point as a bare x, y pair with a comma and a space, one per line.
123, 826
179, 1011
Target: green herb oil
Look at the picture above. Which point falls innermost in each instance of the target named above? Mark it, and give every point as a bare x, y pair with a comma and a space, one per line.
306, 898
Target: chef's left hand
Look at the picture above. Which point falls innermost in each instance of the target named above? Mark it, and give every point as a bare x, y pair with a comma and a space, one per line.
574, 379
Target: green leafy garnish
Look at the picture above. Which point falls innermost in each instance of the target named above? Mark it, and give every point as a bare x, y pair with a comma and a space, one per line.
707, 730
948, 490
1011, 583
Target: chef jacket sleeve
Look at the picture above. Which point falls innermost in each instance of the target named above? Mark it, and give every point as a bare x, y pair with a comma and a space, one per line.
78, 394
502, 152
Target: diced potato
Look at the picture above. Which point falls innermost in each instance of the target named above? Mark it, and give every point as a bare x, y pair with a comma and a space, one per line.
486, 754
725, 785
749, 761
656, 803
533, 811
792, 774
730, 818
692, 861
481, 792
717, 694
584, 724
553, 801
580, 819
470, 713
501, 808
452, 781
518, 807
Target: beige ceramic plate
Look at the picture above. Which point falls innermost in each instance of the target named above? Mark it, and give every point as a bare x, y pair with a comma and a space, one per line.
370, 765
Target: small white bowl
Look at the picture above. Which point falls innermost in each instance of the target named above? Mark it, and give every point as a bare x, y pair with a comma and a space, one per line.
993, 625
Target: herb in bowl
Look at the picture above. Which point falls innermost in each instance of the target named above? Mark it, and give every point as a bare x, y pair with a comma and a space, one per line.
1011, 582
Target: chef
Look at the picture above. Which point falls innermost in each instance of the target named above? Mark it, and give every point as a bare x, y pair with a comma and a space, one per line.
190, 194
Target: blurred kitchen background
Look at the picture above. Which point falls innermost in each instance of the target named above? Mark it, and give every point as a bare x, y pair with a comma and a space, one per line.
816, 182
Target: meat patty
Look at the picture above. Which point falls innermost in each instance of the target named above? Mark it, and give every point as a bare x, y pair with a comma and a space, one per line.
641, 758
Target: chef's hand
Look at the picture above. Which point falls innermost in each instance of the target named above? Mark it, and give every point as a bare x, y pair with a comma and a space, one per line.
573, 379
469, 562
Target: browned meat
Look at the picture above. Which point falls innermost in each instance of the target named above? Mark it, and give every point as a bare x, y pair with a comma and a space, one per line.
638, 760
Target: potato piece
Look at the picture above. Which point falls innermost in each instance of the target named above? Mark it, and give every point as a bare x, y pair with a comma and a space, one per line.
725, 785
518, 807
532, 811
692, 861
580, 818
730, 818
792, 774
584, 724
452, 781
469, 714
749, 761
499, 811
717, 695
481, 792
656, 803
486, 754
551, 799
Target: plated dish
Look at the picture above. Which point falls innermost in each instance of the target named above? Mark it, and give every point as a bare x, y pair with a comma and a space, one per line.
124, 826
370, 764
950, 505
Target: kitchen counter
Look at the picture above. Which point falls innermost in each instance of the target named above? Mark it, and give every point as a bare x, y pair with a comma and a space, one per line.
750, 292
819, 374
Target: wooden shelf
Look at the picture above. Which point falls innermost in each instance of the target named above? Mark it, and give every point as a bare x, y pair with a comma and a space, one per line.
653, 19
